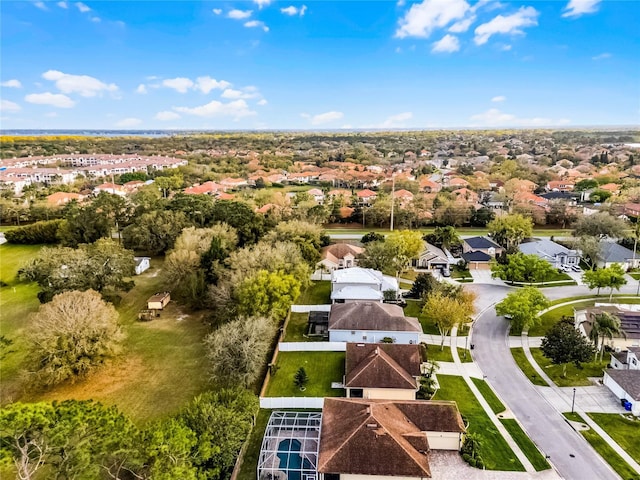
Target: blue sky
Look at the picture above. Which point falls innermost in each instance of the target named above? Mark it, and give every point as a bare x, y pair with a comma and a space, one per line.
319, 64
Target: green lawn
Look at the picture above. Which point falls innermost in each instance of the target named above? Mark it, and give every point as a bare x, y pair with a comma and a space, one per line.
624, 430
322, 368
297, 329
252, 453
635, 275
550, 318
318, 293
495, 451
435, 353
457, 274
575, 376
405, 285
163, 365
465, 355
525, 366
526, 444
413, 310
492, 399
609, 455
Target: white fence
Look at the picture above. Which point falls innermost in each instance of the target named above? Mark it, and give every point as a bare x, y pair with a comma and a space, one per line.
312, 346
310, 308
291, 402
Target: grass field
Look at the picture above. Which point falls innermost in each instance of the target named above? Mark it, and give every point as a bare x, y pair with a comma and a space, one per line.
163, 363
526, 444
624, 430
413, 310
495, 451
439, 355
609, 455
492, 399
322, 368
318, 293
575, 376
525, 366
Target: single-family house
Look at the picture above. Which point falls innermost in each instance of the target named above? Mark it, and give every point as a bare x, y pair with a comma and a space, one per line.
456, 182
382, 439
111, 188
625, 384
317, 195
628, 359
481, 244
207, 188
560, 186
629, 316
432, 258
142, 264
429, 186
234, 182
611, 252
403, 196
632, 209
477, 260
382, 370
158, 301
366, 196
338, 256
612, 188
371, 322
62, 198
554, 253
355, 283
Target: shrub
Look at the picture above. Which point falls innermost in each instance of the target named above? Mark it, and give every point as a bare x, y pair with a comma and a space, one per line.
36, 233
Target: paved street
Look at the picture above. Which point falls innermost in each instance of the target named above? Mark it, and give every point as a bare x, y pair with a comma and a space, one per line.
571, 455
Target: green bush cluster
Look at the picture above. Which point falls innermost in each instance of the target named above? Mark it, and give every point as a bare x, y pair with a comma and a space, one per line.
34, 234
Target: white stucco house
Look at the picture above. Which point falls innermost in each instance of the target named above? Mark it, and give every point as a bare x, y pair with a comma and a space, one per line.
554, 253
339, 256
361, 284
625, 384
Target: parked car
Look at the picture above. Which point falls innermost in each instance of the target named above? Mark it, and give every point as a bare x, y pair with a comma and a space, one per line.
576, 268
446, 272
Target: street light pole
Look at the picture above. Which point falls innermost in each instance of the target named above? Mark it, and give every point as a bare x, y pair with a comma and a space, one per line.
573, 402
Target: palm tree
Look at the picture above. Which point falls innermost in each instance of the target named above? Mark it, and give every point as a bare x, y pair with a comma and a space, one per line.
605, 325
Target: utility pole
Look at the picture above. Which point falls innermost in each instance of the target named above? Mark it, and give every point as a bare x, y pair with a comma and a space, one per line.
393, 200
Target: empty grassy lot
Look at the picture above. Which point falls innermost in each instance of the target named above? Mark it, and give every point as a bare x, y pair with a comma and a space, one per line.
322, 368
525, 366
609, 455
163, 364
575, 376
495, 451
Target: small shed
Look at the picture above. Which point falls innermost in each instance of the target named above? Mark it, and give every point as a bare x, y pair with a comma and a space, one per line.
159, 301
142, 264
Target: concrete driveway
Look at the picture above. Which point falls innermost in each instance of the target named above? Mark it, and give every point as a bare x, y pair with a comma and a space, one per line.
484, 276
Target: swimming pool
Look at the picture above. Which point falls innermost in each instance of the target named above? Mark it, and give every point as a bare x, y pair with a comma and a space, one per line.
291, 461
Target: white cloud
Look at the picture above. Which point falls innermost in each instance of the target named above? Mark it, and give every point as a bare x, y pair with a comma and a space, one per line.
48, 98
217, 11
166, 115
513, 24
505, 48
206, 84
13, 83
499, 98
96, 19
262, 3
323, 118
602, 56
64, 5
495, 118
40, 5
7, 106
82, 7
239, 14
236, 109
51, 114
447, 44
576, 8
179, 84
232, 94
128, 122
142, 89
422, 18
397, 121
84, 85
262, 102
292, 11
400, 3
463, 25
256, 24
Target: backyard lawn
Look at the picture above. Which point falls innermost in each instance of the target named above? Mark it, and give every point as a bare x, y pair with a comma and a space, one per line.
318, 293
575, 376
297, 329
525, 366
322, 368
413, 310
625, 430
495, 451
609, 455
526, 444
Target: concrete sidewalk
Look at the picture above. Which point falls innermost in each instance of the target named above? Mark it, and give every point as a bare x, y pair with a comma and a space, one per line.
561, 398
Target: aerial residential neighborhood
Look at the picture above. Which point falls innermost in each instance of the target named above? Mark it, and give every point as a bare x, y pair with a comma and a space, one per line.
268, 240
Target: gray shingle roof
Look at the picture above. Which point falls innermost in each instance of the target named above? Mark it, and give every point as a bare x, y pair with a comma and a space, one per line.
373, 316
611, 252
478, 243
629, 381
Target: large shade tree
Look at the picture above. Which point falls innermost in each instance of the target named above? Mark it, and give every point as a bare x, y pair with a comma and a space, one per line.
509, 231
523, 306
564, 344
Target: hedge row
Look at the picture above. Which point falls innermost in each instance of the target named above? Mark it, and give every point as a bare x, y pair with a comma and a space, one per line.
36, 233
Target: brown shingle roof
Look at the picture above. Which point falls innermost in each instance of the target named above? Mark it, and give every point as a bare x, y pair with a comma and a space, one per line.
385, 365
339, 250
381, 437
371, 316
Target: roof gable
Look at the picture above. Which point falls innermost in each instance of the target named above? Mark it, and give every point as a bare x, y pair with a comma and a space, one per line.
372, 316
382, 365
